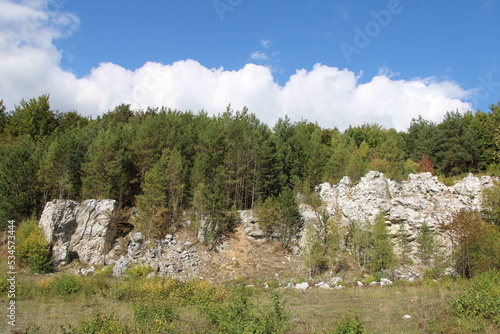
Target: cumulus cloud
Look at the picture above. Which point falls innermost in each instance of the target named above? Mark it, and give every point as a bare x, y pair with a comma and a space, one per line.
332, 97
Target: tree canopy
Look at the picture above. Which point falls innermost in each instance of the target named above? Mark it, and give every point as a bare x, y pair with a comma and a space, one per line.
168, 160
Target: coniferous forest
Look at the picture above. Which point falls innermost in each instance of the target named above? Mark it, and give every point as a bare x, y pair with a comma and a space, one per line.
165, 161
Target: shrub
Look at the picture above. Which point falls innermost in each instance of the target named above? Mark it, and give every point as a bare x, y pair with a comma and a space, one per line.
138, 271
101, 324
383, 250
349, 324
491, 203
65, 286
154, 315
238, 314
481, 299
4, 284
476, 243
32, 248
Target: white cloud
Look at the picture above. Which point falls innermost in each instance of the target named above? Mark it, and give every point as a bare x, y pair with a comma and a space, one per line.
259, 55
387, 72
265, 43
30, 66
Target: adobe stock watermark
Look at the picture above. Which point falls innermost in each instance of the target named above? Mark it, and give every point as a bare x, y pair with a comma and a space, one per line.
488, 86
150, 81
11, 274
363, 36
223, 6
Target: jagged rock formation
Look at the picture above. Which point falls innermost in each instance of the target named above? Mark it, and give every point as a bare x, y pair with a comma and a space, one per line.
167, 257
95, 233
421, 198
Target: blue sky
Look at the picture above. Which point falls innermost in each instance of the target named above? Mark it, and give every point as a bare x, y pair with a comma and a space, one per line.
337, 63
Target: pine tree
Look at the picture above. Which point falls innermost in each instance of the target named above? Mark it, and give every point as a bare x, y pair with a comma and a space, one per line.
358, 242
427, 245
383, 250
108, 171
4, 117
19, 189
290, 220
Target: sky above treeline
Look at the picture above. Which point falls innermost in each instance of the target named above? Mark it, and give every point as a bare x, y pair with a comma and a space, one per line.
337, 63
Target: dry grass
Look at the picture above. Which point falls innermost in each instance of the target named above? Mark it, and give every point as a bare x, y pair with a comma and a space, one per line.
312, 311
381, 308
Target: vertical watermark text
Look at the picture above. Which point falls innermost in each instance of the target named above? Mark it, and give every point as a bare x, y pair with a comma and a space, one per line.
11, 273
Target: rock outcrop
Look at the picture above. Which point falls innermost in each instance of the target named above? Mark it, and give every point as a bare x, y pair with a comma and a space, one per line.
78, 230
92, 231
167, 257
420, 199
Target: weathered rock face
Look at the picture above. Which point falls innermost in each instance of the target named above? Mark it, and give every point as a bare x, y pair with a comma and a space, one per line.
58, 223
87, 232
167, 257
78, 230
421, 198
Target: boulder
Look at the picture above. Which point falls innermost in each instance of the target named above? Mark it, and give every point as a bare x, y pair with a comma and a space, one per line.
78, 230
58, 223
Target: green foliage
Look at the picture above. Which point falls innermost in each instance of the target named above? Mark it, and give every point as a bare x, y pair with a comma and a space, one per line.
491, 203
289, 218
107, 169
383, 250
350, 323
100, 323
281, 217
18, 169
404, 243
163, 191
167, 161
476, 243
138, 271
33, 118
315, 258
322, 243
267, 215
370, 245
481, 299
358, 242
154, 315
239, 315
32, 249
65, 286
427, 244
4, 118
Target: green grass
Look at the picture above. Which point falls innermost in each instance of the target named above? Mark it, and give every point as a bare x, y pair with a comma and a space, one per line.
199, 307
62, 303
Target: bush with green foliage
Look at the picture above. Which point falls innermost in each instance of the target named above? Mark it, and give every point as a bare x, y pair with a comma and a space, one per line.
476, 243
481, 299
239, 315
370, 245
65, 285
32, 248
138, 271
491, 204
350, 323
100, 323
154, 315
